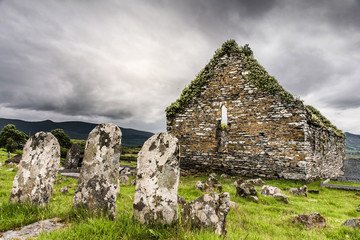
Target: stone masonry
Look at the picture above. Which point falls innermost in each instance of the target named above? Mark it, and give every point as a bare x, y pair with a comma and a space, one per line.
266, 136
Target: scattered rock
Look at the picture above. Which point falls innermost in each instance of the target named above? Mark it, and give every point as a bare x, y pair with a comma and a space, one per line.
238, 182
254, 198
209, 210
200, 186
281, 197
233, 204
73, 157
352, 222
124, 180
10, 170
269, 190
33, 230
37, 170
313, 220
246, 189
157, 180
15, 159
210, 185
224, 175
181, 200
257, 181
302, 191
133, 182
64, 190
99, 174
315, 191
358, 208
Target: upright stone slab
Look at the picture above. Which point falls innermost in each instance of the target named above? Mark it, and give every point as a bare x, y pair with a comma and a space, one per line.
157, 180
72, 157
37, 170
99, 172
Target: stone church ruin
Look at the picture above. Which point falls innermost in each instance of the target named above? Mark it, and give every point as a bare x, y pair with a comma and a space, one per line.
237, 119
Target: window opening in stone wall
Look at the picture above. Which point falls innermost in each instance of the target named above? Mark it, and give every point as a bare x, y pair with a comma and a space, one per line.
224, 118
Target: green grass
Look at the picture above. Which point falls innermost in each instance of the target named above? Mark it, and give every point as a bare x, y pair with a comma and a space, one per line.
267, 219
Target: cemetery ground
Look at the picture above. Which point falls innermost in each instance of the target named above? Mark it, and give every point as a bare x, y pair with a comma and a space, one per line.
267, 219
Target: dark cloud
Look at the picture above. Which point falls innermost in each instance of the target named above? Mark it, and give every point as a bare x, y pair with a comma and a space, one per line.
125, 62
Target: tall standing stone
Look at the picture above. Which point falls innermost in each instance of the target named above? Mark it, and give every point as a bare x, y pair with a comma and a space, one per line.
99, 172
157, 180
37, 170
72, 157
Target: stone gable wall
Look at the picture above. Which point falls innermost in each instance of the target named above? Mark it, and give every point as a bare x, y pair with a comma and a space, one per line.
265, 136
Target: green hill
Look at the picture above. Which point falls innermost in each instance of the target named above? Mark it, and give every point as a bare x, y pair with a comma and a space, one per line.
352, 144
76, 130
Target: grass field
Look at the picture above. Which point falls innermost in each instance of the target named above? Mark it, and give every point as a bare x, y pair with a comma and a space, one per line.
268, 219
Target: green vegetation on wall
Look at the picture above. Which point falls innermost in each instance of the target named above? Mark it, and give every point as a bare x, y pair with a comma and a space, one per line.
253, 72
322, 121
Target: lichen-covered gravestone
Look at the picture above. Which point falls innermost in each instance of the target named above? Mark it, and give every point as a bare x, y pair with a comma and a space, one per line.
37, 170
72, 157
99, 172
157, 180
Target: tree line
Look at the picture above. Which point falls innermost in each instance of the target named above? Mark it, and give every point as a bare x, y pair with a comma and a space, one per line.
12, 139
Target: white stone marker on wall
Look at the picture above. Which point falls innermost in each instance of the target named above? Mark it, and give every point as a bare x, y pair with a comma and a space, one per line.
157, 180
37, 170
99, 172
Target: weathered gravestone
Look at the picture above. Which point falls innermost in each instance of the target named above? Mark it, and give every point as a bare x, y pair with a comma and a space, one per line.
99, 173
73, 157
157, 180
37, 170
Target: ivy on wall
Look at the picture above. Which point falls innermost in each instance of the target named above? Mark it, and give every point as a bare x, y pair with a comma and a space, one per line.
255, 75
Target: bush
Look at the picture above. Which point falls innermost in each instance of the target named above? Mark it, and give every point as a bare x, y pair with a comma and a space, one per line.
11, 145
62, 137
9, 131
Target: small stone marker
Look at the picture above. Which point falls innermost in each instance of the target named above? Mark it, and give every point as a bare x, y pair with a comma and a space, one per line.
246, 189
257, 181
98, 181
352, 222
210, 185
269, 190
157, 180
64, 190
124, 180
313, 220
37, 170
209, 210
72, 157
302, 191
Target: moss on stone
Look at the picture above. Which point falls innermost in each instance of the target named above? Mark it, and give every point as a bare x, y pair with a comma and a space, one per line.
254, 73
319, 120
195, 87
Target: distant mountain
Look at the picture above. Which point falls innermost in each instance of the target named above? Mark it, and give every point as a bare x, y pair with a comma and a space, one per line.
352, 143
76, 130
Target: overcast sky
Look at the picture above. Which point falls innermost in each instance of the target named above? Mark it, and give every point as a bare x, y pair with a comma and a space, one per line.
126, 61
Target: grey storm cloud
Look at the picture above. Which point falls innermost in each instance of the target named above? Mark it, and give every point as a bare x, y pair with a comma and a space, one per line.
125, 61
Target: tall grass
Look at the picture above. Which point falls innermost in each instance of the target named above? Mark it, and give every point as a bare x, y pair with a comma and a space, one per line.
267, 219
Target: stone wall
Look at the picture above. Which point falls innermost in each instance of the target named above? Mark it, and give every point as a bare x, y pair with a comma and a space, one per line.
265, 135
326, 153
